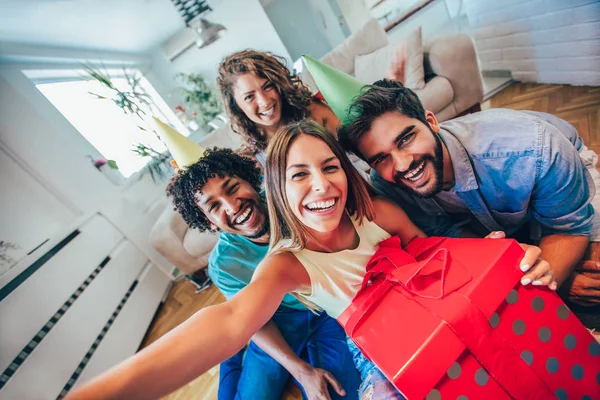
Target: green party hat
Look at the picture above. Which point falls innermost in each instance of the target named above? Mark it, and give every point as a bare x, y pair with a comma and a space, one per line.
338, 88
185, 151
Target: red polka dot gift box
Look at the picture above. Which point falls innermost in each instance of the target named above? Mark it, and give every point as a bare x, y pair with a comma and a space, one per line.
449, 319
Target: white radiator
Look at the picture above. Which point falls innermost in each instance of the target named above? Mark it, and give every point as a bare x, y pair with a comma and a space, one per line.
74, 312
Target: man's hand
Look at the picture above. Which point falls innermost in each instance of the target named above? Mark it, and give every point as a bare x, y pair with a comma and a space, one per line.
315, 382
583, 286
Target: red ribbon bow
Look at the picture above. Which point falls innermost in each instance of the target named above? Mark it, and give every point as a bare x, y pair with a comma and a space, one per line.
397, 269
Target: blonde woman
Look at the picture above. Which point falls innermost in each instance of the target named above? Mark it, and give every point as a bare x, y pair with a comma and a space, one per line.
325, 227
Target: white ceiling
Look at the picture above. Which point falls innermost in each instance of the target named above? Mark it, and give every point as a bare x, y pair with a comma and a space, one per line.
132, 26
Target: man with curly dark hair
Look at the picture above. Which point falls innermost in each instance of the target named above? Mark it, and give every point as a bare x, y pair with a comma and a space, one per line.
221, 192
186, 189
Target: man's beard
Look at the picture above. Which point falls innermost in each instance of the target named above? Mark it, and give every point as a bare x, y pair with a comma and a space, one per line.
264, 230
438, 169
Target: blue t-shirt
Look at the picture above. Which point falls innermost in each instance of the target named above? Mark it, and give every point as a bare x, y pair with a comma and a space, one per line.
232, 263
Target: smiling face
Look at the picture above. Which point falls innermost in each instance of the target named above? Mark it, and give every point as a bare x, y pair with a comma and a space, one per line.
406, 151
233, 206
259, 100
316, 186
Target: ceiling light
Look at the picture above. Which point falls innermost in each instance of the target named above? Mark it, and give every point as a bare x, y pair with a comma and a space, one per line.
208, 32
205, 32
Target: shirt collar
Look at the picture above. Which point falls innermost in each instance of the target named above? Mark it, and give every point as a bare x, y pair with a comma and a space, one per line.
464, 176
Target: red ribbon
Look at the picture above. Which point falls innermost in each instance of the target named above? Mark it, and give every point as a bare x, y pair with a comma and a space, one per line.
428, 281
395, 268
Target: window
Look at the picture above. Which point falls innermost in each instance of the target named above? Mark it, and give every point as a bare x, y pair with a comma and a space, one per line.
104, 125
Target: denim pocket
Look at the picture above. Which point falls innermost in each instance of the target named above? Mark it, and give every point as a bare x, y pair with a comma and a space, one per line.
510, 220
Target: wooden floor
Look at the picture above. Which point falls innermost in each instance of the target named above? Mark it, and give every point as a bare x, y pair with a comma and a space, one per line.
578, 105
181, 303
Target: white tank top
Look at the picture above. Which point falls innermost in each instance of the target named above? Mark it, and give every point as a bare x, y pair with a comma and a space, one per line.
336, 277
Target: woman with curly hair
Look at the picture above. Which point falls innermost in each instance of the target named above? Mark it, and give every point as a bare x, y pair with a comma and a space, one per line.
261, 94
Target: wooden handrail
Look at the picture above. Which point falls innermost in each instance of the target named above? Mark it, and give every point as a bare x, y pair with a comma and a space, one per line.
407, 14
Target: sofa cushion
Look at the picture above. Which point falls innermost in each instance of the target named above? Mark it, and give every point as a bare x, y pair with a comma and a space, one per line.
200, 244
415, 71
436, 95
367, 39
376, 65
371, 67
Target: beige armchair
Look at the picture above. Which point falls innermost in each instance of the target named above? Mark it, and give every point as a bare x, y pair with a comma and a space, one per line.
453, 82
454, 59
187, 249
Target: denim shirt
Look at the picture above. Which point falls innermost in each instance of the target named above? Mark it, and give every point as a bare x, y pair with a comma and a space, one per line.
510, 167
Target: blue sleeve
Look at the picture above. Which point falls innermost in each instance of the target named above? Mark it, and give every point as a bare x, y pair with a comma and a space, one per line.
561, 199
561, 125
431, 225
222, 280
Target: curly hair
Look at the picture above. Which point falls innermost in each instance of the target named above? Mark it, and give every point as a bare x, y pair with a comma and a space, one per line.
215, 162
295, 97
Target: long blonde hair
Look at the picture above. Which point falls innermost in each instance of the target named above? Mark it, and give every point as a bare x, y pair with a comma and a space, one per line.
287, 232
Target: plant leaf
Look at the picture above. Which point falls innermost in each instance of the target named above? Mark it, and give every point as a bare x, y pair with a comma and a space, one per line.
112, 164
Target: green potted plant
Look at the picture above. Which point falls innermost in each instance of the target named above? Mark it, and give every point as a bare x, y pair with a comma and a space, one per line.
132, 102
199, 97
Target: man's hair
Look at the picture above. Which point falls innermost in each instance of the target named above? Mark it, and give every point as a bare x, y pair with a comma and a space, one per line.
295, 97
383, 96
215, 162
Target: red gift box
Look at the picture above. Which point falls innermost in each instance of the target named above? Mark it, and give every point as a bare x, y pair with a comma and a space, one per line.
445, 318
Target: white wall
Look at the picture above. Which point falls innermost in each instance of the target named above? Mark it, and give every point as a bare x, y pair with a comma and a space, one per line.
48, 148
546, 41
355, 12
433, 19
247, 27
33, 129
304, 27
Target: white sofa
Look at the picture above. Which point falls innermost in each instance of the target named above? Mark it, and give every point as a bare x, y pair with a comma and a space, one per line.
453, 82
